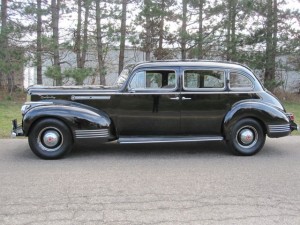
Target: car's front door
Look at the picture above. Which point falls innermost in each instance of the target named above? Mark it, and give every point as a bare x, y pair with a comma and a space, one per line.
150, 105
204, 101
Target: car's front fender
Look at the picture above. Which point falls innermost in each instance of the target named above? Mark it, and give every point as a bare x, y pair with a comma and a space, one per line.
84, 121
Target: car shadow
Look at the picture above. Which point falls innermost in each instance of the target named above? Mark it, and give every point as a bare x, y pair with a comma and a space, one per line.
166, 150
162, 149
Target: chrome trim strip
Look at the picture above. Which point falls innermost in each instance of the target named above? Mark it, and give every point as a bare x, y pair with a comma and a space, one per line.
151, 93
142, 92
89, 97
279, 128
104, 131
219, 92
167, 140
190, 93
100, 133
77, 92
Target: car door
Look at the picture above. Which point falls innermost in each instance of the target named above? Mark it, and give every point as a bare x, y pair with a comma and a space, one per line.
204, 100
150, 104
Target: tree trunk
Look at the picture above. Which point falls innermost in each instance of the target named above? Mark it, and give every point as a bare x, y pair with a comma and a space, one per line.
39, 43
55, 8
160, 53
99, 44
233, 29
271, 41
85, 33
3, 37
274, 38
200, 38
183, 29
148, 30
123, 35
77, 47
228, 36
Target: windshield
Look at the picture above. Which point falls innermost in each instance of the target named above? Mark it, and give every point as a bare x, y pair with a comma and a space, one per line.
124, 75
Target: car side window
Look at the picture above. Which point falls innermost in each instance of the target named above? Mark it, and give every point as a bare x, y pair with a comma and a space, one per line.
153, 79
239, 81
202, 79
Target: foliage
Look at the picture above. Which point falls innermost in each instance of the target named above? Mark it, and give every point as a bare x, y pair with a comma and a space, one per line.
251, 32
53, 72
272, 84
78, 74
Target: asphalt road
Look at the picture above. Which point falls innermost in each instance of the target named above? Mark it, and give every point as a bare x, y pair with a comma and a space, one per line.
167, 184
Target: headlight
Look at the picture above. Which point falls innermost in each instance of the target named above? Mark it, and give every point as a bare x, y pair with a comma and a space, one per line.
24, 108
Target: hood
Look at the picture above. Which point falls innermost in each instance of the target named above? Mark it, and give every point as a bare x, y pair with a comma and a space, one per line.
37, 93
35, 89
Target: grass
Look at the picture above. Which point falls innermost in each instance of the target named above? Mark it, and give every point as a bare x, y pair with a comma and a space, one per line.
294, 108
9, 110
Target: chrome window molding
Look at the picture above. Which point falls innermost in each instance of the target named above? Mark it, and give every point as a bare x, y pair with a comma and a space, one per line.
153, 89
250, 78
203, 89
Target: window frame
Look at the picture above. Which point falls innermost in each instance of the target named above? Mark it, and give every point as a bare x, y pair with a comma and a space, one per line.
153, 89
203, 89
250, 78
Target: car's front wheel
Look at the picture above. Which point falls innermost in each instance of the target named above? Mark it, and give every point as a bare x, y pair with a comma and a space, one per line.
246, 137
50, 139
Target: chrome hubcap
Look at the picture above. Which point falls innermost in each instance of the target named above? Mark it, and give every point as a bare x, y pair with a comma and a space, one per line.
51, 138
246, 136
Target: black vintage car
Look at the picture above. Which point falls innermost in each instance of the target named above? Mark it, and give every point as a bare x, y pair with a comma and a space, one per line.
153, 102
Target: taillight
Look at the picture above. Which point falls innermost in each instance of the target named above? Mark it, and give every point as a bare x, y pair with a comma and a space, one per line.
291, 116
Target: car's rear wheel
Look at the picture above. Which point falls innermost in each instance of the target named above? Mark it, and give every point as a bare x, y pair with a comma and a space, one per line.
50, 139
246, 137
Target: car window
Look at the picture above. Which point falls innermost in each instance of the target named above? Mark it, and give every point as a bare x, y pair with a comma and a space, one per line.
154, 79
239, 81
212, 79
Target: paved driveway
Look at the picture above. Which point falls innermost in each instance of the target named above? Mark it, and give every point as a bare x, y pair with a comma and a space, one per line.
151, 184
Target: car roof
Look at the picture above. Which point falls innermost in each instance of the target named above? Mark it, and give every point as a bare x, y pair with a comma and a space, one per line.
192, 63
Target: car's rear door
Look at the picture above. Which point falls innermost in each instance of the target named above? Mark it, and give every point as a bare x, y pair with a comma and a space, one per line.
204, 100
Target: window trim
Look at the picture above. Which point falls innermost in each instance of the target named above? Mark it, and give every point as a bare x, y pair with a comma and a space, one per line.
153, 89
240, 88
203, 89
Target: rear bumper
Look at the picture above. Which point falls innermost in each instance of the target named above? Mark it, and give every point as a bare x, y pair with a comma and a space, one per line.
275, 131
294, 126
17, 130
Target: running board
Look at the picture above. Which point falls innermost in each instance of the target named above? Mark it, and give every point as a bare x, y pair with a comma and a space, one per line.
168, 139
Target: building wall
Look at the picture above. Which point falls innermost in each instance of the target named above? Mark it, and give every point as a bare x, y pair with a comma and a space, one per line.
291, 78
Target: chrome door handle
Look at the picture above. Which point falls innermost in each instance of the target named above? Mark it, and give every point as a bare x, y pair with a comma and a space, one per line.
175, 98
184, 98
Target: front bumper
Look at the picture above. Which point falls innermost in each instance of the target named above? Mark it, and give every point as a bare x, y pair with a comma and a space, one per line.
17, 130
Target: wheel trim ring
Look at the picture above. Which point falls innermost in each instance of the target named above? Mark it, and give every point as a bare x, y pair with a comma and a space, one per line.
41, 136
254, 137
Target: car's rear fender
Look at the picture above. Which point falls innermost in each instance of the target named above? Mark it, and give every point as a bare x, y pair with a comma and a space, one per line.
274, 121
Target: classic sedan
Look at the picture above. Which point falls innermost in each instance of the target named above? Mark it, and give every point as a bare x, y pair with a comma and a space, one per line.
156, 102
